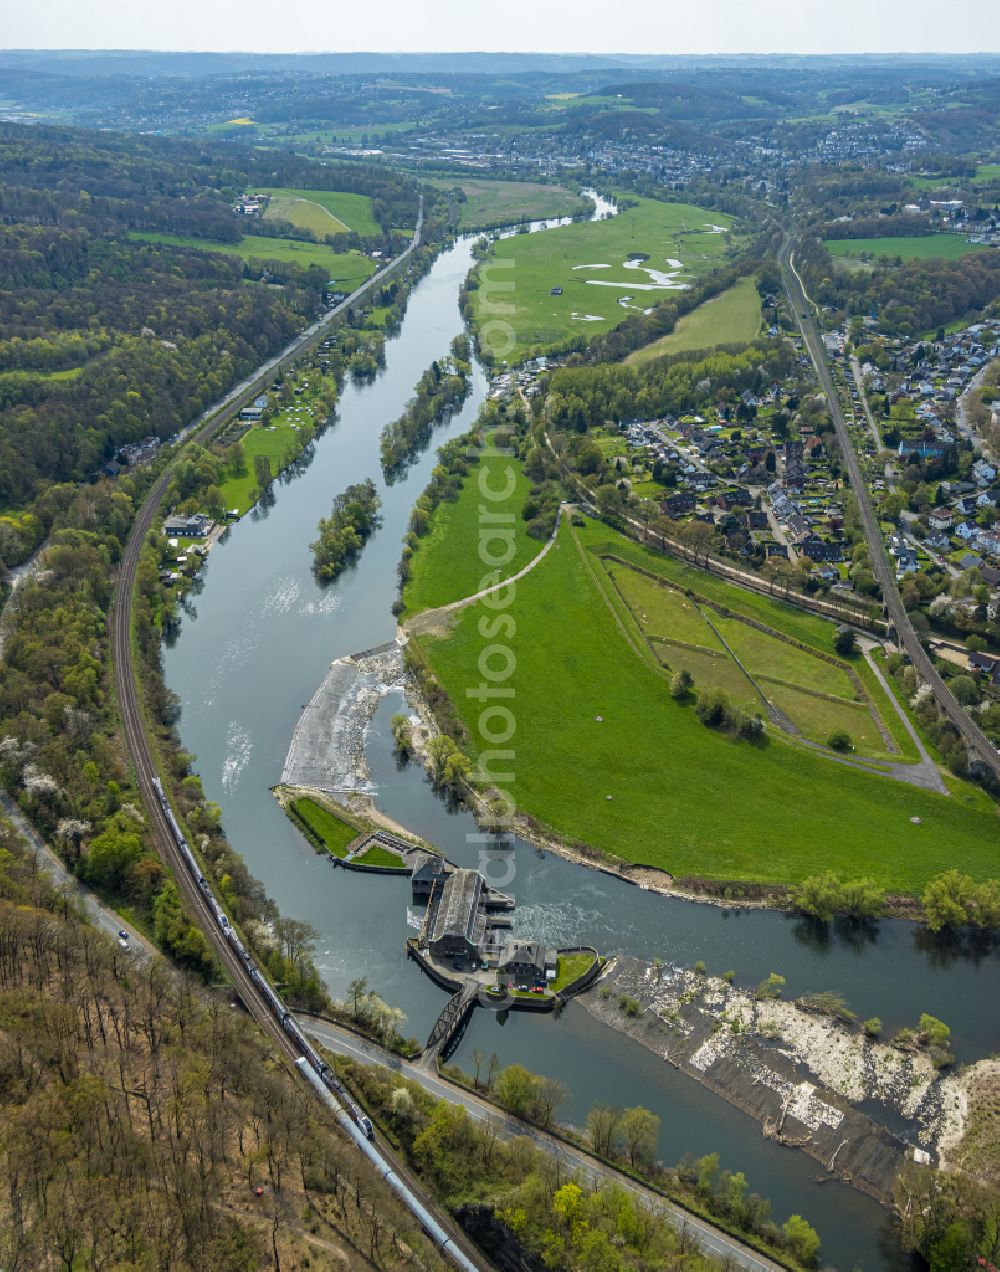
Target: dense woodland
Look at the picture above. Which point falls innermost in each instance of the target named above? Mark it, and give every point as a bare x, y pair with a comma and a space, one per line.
907, 298
106, 340
140, 1116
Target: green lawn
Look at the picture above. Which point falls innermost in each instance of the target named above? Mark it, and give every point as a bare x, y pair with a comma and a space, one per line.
516, 281
569, 967
347, 269
662, 611
447, 565
241, 492
730, 318
334, 833
764, 655
927, 247
818, 717
710, 669
684, 797
490, 202
325, 211
379, 856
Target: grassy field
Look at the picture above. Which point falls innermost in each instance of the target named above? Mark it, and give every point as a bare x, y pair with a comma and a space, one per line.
928, 247
528, 267
334, 833
568, 968
764, 655
325, 211
241, 492
446, 565
662, 611
348, 269
684, 797
730, 318
509, 202
376, 855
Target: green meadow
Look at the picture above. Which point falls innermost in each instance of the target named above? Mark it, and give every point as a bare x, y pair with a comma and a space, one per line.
605, 757
324, 211
347, 269
599, 267
928, 247
447, 565
494, 202
733, 317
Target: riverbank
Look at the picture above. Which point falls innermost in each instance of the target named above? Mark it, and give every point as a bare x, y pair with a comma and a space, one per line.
859, 1107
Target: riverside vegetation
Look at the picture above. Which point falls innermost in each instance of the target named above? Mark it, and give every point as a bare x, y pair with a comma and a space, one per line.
516, 1196
342, 535
439, 392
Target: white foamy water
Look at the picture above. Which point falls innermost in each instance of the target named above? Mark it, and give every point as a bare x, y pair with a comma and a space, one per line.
591, 266
324, 606
587, 317
239, 748
282, 595
665, 286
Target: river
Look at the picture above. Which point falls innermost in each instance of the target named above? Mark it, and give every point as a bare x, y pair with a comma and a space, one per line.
257, 640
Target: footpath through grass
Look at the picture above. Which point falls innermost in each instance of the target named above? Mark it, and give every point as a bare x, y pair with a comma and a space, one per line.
730, 318
447, 565
606, 757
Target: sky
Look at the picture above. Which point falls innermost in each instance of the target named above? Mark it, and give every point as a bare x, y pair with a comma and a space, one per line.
570, 26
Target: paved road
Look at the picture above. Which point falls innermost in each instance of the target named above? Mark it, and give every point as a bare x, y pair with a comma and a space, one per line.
979, 745
714, 1242
100, 915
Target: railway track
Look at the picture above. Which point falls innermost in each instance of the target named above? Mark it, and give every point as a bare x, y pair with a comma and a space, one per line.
980, 747
139, 750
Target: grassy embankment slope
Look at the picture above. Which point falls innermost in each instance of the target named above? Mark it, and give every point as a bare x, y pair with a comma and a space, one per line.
347, 269
592, 299
594, 719
491, 202
928, 247
730, 318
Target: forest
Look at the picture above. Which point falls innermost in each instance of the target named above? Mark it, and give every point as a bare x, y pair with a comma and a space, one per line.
105, 340
582, 397
908, 298
146, 1123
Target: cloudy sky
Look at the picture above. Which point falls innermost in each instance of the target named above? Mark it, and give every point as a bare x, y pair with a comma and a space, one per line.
594, 26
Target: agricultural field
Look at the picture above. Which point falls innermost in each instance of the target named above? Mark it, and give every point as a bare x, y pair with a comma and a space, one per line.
928, 247
730, 318
446, 565
323, 211
347, 269
509, 202
601, 270
607, 758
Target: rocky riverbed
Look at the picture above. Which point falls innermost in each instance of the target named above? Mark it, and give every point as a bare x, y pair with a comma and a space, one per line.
858, 1106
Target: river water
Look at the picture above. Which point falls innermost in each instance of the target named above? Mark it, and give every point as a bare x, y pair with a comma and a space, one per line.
255, 644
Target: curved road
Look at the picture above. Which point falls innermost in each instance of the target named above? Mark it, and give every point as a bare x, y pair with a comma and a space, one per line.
979, 745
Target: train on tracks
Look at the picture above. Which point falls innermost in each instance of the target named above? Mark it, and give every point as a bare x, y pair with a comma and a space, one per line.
310, 1064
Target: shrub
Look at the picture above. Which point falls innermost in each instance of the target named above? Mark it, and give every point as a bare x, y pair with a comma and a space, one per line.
872, 1027
840, 741
681, 684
